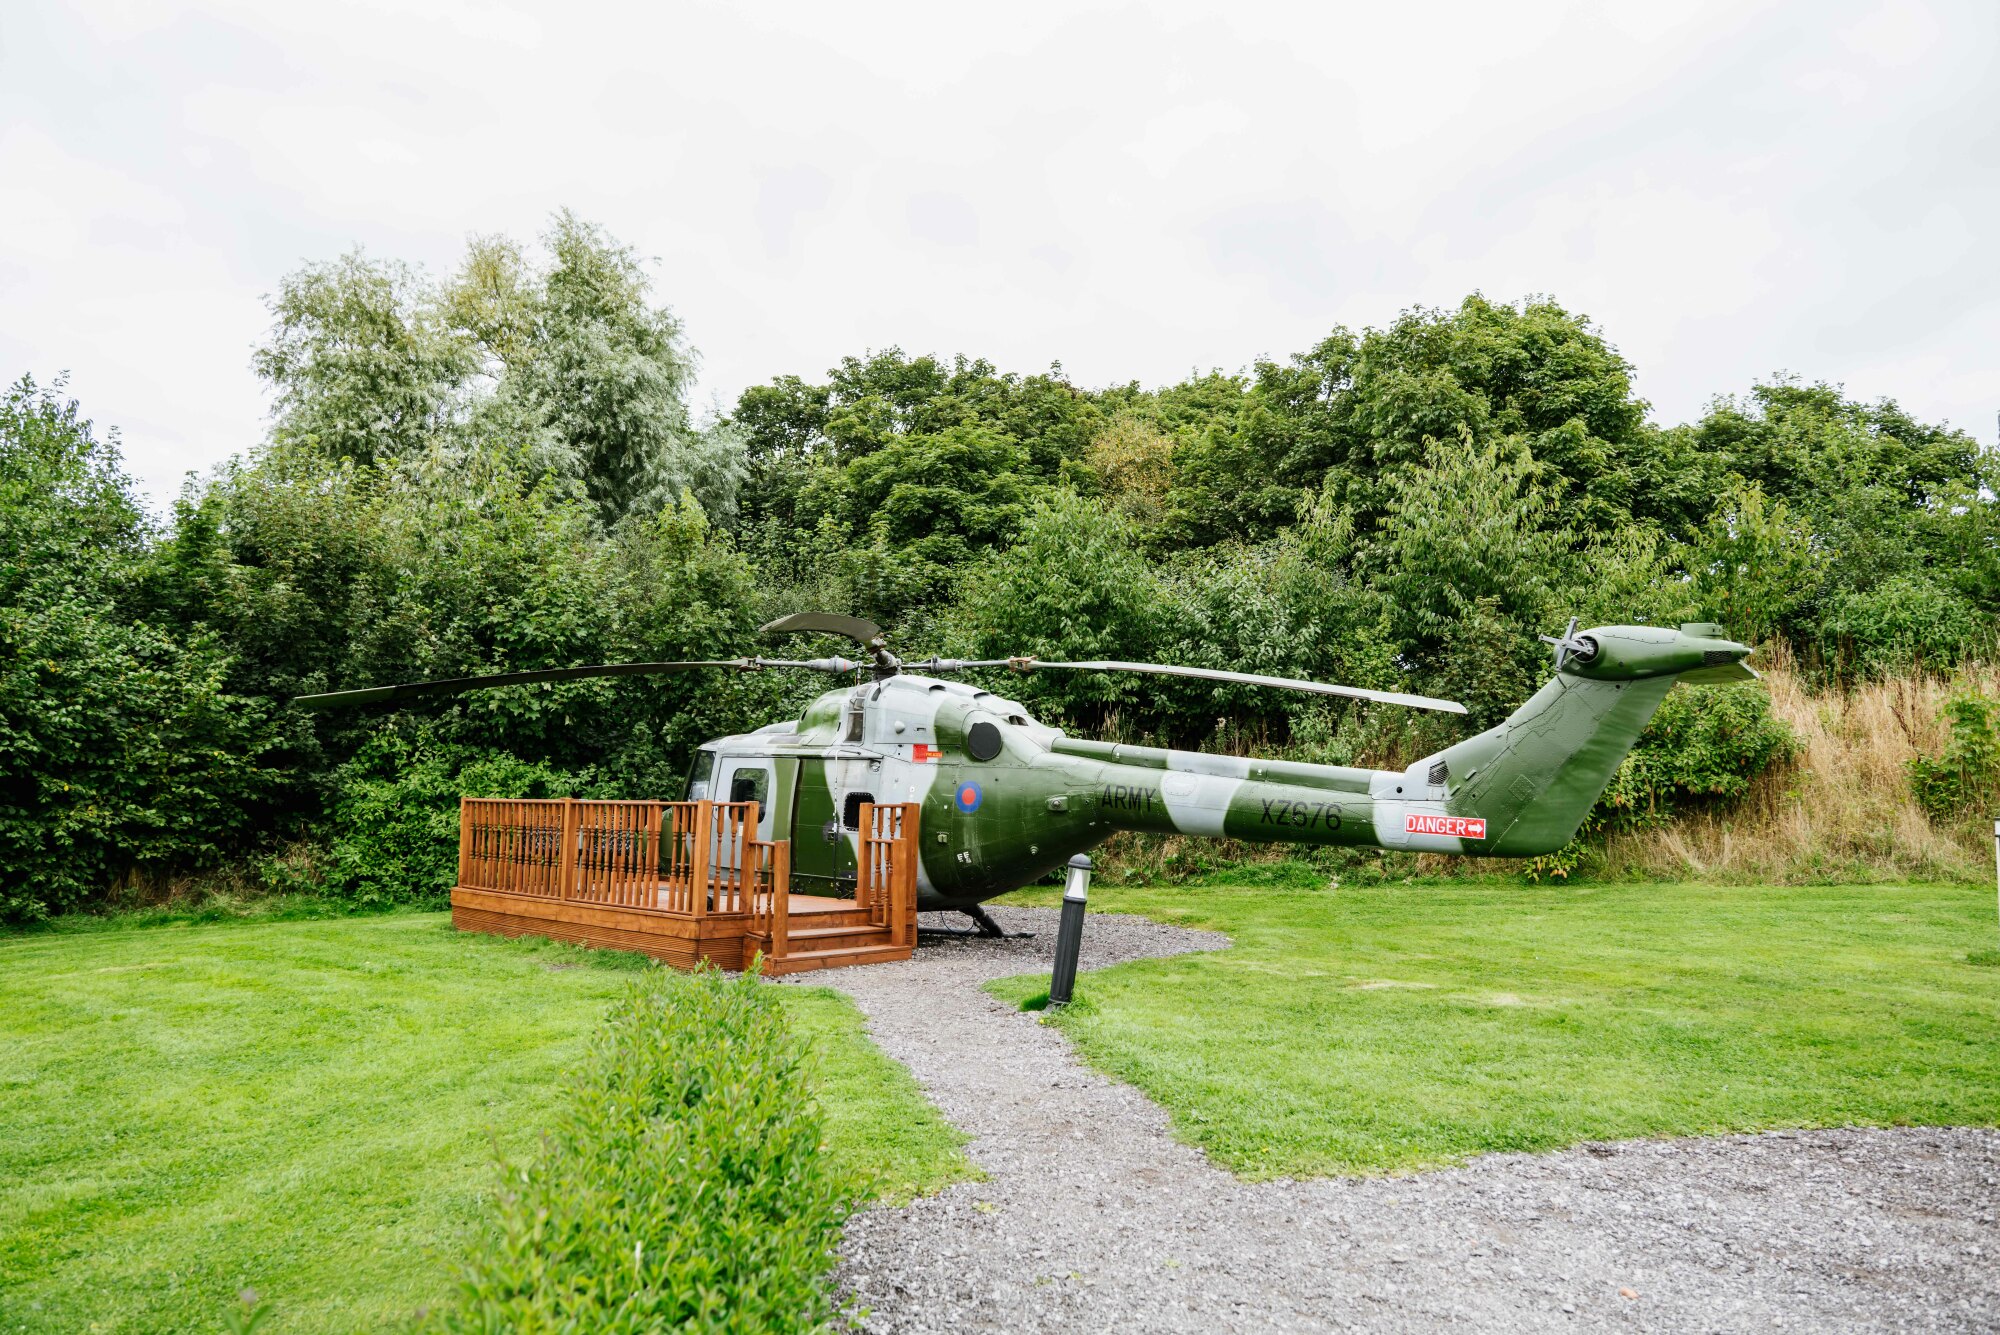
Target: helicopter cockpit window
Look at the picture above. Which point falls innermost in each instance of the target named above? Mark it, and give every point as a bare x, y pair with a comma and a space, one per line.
750, 785
850, 814
699, 775
982, 741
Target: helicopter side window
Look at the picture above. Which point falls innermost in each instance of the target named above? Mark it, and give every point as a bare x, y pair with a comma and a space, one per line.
850, 814
982, 741
750, 785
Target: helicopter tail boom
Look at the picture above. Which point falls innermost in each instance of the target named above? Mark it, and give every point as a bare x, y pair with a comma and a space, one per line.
1520, 789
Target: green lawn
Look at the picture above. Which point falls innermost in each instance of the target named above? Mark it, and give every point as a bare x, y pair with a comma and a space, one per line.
1383, 1028
311, 1109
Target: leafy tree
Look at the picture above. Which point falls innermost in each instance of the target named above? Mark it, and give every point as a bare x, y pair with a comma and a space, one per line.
1471, 527
565, 366
813, 450
1073, 585
1840, 514
609, 375
1355, 411
1133, 463
360, 360
121, 751
1756, 563
1906, 622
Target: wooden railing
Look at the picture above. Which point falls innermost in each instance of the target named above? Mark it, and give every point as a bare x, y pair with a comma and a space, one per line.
617, 852
771, 893
513, 847
885, 883
688, 858
685, 859
709, 857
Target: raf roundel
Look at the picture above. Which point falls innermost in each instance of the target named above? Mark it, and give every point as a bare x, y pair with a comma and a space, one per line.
967, 797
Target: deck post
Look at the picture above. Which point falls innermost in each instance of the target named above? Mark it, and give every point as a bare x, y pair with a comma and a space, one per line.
567, 850
740, 869
700, 857
903, 876
464, 840
781, 898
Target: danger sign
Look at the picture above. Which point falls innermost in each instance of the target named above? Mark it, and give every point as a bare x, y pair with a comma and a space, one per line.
924, 753
1456, 827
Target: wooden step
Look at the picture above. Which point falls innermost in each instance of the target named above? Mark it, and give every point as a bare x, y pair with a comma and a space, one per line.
805, 961
841, 918
824, 938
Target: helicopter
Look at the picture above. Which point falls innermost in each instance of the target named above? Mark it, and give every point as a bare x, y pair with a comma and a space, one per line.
1005, 799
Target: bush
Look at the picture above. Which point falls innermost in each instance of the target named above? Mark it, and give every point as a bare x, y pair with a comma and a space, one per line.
1967, 775
1906, 622
121, 751
395, 820
1704, 745
682, 1187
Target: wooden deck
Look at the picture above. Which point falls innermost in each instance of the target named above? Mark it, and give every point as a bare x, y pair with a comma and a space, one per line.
680, 881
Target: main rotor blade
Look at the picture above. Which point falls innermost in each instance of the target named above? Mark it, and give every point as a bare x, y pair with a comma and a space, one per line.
1248, 679
854, 628
377, 695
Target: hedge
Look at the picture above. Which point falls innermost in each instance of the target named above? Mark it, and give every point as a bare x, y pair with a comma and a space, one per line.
682, 1187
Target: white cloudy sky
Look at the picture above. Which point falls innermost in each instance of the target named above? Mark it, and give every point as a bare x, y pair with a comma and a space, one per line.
1134, 190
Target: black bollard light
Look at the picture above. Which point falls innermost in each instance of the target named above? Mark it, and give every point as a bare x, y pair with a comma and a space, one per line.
1069, 936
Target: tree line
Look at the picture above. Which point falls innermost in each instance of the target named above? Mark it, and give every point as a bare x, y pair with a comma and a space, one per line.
500, 470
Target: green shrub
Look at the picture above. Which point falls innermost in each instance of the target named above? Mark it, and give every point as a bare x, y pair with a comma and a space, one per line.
395, 819
1967, 775
1703, 746
121, 750
1906, 622
682, 1187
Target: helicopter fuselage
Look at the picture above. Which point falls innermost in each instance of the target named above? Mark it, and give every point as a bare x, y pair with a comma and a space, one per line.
1006, 799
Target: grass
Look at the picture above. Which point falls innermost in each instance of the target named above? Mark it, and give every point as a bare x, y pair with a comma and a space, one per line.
1389, 1028
311, 1109
879, 1125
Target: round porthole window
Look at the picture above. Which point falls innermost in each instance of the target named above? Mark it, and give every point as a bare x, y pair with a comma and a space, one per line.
982, 741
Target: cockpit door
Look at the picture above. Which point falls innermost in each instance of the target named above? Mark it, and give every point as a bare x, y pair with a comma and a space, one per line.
745, 779
822, 843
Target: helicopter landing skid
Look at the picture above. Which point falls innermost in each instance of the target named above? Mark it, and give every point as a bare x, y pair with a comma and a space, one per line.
983, 927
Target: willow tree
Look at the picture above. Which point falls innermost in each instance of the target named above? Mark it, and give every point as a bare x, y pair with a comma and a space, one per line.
558, 358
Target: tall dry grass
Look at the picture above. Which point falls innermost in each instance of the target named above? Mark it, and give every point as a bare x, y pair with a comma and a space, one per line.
1843, 809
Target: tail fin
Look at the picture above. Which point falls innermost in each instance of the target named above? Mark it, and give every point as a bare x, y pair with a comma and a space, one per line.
1535, 777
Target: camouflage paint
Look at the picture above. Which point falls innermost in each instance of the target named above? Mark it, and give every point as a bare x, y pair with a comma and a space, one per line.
1517, 790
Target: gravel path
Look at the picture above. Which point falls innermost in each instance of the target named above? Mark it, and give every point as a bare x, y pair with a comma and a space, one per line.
1093, 1218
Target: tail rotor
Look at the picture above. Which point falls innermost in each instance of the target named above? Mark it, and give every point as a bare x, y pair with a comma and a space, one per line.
1571, 647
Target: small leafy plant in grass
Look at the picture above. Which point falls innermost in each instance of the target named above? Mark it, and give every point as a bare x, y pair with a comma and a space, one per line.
683, 1185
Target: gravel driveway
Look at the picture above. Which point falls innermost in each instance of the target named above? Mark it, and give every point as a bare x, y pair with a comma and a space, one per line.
1093, 1218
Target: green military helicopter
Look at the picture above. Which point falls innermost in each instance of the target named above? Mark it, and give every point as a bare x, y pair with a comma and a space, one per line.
1005, 799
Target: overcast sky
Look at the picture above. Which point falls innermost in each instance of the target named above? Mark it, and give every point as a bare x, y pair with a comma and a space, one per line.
1133, 190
